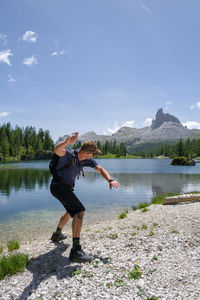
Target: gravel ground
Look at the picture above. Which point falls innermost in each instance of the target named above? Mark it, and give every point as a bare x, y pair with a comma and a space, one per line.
161, 246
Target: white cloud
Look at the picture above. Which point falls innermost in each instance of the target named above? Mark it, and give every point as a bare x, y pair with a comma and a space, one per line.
56, 53
4, 57
197, 105
3, 38
29, 61
192, 125
147, 122
167, 104
128, 124
116, 127
11, 79
4, 114
146, 8
29, 36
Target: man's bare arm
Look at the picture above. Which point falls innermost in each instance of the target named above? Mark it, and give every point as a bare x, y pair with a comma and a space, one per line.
106, 175
60, 148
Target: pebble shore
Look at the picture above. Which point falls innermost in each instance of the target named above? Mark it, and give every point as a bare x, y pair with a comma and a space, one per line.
162, 244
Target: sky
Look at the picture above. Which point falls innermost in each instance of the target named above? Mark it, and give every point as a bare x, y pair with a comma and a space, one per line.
98, 65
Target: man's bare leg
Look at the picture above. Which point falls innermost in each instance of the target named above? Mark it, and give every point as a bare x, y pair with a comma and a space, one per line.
58, 236
77, 224
64, 220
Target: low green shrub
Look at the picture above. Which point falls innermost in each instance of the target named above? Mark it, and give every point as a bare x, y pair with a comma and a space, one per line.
143, 205
154, 257
134, 207
135, 273
175, 231
12, 264
122, 215
12, 245
145, 209
144, 226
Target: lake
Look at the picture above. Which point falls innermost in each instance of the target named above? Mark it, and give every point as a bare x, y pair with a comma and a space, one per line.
28, 210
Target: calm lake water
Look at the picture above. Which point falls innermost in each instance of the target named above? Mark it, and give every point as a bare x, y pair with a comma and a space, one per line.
28, 210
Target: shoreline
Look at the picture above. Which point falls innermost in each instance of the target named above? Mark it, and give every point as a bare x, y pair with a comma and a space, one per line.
167, 251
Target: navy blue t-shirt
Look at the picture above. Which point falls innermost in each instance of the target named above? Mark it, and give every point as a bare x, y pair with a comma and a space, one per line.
69, 174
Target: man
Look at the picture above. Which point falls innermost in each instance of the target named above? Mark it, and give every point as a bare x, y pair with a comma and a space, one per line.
68, 168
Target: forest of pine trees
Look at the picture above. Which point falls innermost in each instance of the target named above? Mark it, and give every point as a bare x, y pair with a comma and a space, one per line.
188, 148
24, 143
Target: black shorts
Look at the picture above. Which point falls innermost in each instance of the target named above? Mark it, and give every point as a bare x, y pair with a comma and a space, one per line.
67, 197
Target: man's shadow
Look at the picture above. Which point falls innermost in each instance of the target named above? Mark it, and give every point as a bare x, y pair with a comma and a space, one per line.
46, 265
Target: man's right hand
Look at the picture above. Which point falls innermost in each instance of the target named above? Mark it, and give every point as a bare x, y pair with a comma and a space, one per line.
72, 138
60, 148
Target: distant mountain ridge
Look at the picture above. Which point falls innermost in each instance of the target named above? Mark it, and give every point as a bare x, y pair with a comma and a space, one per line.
165, 127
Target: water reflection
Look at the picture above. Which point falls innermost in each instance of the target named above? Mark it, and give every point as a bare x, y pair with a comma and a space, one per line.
22, 179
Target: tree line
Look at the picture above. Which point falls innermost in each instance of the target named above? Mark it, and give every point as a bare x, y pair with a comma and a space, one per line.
24, 143
189, 148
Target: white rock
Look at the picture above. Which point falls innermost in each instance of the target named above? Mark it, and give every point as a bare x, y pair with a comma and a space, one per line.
140, 283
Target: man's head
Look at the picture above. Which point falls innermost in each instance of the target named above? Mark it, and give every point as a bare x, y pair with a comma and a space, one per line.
90, 148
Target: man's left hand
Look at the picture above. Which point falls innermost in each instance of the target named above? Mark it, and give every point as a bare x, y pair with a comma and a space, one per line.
114, 184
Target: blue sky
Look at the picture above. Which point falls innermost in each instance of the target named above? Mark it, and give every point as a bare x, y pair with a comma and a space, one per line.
95, 65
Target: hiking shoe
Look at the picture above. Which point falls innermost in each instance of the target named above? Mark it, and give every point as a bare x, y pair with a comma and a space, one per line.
58, 237
79, 255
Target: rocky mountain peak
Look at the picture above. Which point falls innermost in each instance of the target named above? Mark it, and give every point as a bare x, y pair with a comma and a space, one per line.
162, 118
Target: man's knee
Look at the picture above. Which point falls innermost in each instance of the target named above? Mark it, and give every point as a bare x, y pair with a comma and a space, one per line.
80, 215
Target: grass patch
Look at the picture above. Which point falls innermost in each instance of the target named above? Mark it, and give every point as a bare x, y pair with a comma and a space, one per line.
154, 257
123, 214
113, 236
134, 207
141, 293
75, 272
78, 271
175, 231
118, 282
135, 273
1, 249
133, 233
145, 209
12, 264
144, 226
12, 245
155, 224
143, 205
151, 233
